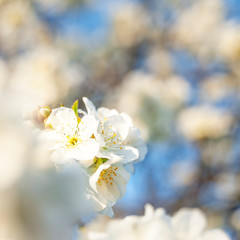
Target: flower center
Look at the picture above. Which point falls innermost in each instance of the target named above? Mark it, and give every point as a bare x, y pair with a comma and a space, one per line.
72, 141
111, 139
107, 176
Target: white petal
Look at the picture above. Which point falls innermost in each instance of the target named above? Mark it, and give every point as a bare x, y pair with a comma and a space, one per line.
127, 118
117, 189
81, 111
104, 154
134, 139
94, 178
107, 211
91, 109
97, 201
127, 154
118, 125
100, 139
188, 223
123, 171
85, 152
52, 139
121, 184
105, 113
110, 193
87, 127
124, 155
63, 119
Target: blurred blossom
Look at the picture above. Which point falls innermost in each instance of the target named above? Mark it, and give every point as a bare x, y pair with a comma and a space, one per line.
44, 74
159, 62
228, 44
172, 91
13, 16
130, 23
204, 122
43, 205
186, 224
14, 152
97, 225
211, 15
223, 36
216, 87
35, 202
152, 100
175, 91
19, 25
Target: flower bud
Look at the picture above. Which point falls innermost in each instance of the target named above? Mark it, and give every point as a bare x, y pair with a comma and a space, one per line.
43, 114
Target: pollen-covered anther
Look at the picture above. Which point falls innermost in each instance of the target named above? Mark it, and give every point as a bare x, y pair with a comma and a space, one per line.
72, 141
107, 176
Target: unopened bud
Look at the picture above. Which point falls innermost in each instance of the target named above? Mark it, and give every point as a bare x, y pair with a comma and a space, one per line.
43, 114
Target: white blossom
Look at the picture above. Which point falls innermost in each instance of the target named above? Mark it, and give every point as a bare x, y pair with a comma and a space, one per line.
70, 139
117, 136
110, 182
120, 146
104, 141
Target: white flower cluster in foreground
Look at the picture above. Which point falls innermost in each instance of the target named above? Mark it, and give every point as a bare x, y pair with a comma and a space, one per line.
186, 224
103, 142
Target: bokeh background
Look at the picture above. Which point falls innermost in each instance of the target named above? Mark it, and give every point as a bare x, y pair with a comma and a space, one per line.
172, 65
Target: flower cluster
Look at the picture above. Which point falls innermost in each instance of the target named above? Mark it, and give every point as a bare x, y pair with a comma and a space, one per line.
103, 142
186, 224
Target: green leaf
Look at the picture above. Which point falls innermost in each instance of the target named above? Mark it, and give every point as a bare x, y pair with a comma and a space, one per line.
75, 107
61, 105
